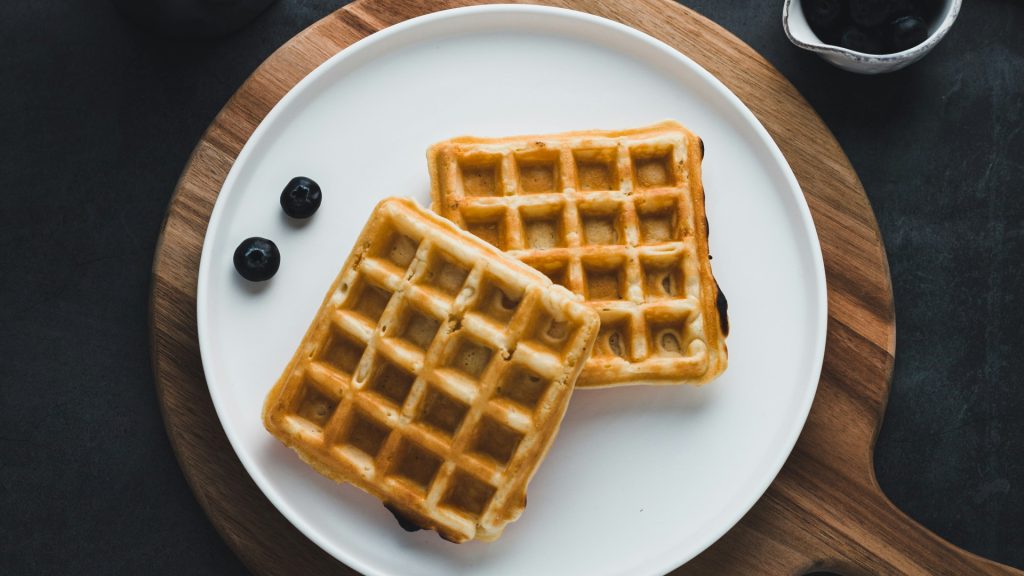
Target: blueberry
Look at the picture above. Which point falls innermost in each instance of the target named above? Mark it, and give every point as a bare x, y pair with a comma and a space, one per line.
869, 13
907, 32
861, 40
301, 197
822, 14
404, 521
257, 259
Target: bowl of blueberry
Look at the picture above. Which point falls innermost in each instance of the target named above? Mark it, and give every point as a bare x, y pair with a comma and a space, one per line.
869, 36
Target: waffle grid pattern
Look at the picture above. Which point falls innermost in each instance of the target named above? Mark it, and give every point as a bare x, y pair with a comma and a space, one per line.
614, 219
436, 377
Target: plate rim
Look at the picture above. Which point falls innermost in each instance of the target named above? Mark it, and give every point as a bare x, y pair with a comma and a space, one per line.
658, 564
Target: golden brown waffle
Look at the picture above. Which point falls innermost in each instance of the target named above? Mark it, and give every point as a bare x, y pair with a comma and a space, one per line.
615, 216
435, 374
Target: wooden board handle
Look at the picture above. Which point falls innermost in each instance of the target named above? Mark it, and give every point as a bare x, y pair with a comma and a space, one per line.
826, 511
899, 545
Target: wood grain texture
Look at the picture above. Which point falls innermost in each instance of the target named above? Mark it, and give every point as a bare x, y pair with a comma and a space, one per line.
825, 511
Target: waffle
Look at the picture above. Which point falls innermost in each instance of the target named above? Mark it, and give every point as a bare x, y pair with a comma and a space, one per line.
616, 217
434, 376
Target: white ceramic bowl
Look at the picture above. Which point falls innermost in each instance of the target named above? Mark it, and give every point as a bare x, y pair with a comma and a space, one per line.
799, 32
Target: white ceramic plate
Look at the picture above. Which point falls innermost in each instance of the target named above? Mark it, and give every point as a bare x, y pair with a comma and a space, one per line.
639, 480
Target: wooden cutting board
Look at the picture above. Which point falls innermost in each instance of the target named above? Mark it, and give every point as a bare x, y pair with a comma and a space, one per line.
825, 511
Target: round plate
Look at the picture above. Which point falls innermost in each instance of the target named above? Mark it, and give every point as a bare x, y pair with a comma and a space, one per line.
640, 479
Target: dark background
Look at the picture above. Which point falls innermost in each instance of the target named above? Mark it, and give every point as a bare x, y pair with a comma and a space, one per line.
97, 119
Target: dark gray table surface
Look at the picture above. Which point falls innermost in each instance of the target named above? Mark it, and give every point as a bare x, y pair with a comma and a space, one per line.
98, 118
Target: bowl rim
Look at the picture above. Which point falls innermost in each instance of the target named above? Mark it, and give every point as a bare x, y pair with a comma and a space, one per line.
894, 57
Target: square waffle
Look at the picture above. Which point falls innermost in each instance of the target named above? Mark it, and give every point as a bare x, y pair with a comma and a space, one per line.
434, 376
615, 216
